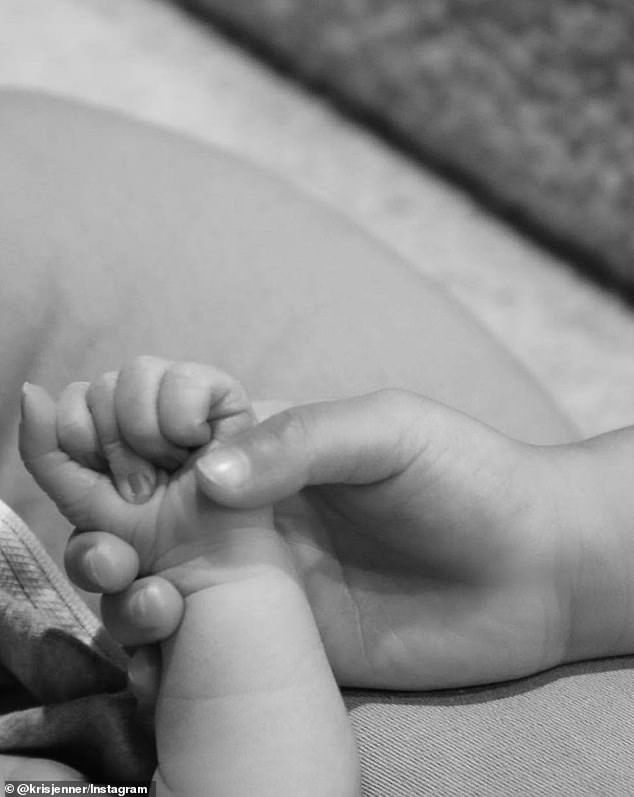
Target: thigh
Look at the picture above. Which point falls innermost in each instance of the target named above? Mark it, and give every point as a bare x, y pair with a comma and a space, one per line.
117, 238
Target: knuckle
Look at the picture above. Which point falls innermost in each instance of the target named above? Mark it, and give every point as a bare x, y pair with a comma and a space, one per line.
112, 449
71, 434
399, 412
78, 508
100, 388
290, 429
185, 371
148, 442
289, 425
396, 401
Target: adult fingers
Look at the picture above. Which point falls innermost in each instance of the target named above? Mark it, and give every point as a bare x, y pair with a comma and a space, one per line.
100, 562
148, 611
354, 441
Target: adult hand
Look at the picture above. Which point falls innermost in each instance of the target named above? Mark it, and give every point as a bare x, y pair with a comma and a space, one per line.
427, 541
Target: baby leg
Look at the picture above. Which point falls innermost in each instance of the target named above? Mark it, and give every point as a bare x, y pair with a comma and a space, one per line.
117, 238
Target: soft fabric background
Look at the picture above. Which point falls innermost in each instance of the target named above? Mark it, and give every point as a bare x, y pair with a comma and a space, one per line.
151, 59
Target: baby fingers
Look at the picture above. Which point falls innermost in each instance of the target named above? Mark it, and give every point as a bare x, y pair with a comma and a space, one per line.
197, 403
100, 562
137, 413
134, 477
150, 610
165, 409
75, 427
84, 495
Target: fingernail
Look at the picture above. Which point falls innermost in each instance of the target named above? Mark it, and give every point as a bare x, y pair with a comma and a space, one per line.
97, 567
143, 673
138, 671
141, 487
228, 467
139, 604
27, 389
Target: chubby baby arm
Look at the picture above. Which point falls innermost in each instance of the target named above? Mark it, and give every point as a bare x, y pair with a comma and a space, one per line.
247, 703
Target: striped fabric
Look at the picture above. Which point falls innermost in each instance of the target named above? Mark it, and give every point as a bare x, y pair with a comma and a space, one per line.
63, 692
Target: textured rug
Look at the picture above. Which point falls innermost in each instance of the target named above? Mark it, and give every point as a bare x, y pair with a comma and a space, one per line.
529, 104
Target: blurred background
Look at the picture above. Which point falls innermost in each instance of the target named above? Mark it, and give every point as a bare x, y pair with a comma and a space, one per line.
488, 142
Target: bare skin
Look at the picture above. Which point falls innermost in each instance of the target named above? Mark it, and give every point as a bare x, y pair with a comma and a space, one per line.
247, 654
435, 551
101, 216
121, 239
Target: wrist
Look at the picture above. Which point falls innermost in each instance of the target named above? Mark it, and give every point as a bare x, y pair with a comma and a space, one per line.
248, 656
243, 635
598, 511
243, 554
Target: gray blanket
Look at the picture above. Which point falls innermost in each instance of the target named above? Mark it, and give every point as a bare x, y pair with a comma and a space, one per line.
63, 689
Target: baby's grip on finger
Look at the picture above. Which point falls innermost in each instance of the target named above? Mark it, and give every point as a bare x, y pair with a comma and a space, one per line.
354, 441
136, 405
197, 401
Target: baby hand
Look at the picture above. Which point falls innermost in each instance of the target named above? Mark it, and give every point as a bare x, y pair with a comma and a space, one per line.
246, 654
118, 455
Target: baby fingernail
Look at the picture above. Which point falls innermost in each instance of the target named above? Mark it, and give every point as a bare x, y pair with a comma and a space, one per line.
143, 673
137, 672
96, 567
226, 468
27, 392
140, 486
140, 603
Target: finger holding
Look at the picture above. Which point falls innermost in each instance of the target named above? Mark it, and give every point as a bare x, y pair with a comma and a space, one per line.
75, 427
268, 407
359, 440
134, 477
100, 562
148, 611
197, 402
137, 412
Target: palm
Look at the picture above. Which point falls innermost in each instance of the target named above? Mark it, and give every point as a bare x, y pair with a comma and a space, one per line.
179, 533
397, 606
186, 528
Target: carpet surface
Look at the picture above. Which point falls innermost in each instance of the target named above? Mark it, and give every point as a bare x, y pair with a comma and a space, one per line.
529, 103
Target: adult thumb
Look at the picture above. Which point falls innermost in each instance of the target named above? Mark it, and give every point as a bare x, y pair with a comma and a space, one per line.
358, 440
